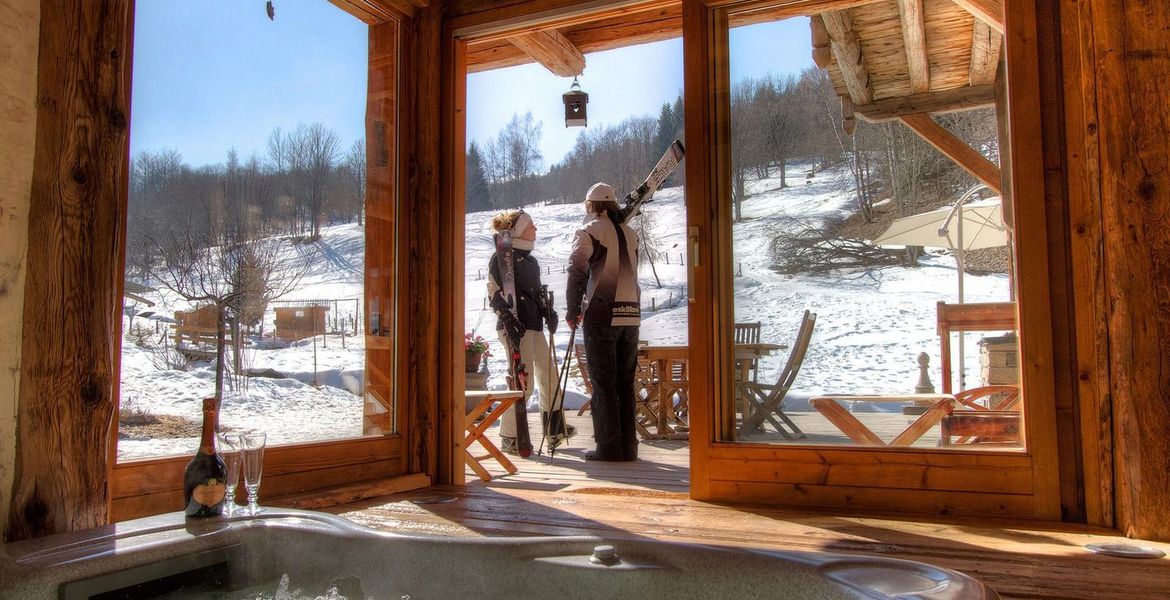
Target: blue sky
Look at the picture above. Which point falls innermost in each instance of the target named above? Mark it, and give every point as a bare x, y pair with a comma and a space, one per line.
217, 74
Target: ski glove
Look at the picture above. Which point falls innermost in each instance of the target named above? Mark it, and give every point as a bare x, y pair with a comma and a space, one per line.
513, 328
551, 320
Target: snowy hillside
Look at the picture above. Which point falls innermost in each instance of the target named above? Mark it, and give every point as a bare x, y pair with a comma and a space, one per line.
870, 327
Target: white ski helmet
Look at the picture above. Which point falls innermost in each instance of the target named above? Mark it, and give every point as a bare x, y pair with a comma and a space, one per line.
600, 192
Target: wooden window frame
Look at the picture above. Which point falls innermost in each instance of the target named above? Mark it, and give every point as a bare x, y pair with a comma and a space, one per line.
144, 487
1023, 484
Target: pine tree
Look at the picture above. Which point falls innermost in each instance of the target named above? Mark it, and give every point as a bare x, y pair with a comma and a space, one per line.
476, 191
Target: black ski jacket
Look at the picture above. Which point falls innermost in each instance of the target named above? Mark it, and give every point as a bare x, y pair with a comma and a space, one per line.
528, 304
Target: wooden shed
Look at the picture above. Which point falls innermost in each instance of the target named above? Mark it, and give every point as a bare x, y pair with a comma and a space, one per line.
1080, 89
300, 322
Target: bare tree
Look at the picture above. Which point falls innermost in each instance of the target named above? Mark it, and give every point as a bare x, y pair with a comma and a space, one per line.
228, 268
320, 148
513, 159
354, 176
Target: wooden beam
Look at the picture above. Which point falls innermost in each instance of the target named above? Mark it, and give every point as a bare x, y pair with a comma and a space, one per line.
551, 49
68, 377
964, 98
955, 149
847, 50
848, 120
914, 39
985, 45
373, 12
822, 54
987, 11
615, 32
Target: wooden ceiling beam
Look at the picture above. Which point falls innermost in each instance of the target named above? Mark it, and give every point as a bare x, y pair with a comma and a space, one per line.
914, 39
847, 51
945, 101
987, 11
551, 49
822, 53
985, 48
373, 12
606, 34
956, 149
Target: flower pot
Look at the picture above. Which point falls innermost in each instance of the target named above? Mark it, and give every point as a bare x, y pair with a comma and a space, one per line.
473, 360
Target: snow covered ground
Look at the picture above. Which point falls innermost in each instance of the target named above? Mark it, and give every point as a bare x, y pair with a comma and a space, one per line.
870, 327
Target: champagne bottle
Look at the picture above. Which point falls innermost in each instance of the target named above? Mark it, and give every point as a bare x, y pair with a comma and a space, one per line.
204, 488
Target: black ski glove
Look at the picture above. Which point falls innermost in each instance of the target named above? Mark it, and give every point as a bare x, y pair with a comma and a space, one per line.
513, 328
551, 320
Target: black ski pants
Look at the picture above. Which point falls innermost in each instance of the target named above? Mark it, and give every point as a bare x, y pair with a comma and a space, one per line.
612, 354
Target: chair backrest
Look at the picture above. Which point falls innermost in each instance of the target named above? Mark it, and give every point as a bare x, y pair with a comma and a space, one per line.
994, 398
747, 333
583, 367
799, 348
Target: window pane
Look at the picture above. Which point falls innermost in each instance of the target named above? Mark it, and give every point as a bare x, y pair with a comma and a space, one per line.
842, 281
246, 237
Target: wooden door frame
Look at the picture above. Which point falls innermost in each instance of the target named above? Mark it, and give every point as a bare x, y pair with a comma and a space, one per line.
458, 31
971, 482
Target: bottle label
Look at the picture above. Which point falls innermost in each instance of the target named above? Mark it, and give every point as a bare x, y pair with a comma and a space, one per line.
210, 493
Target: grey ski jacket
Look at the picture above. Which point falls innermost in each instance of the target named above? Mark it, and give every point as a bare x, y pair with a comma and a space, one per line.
603, 274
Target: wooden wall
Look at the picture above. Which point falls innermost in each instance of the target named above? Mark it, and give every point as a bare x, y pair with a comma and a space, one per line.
18, 125
71, 312
1117, 65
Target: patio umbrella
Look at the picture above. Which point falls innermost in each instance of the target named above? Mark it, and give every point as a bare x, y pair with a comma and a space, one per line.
961, 228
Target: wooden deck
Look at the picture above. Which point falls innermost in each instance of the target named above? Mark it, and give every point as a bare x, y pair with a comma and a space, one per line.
648, 498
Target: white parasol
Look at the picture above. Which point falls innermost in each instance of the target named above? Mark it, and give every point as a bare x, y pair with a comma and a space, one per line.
961, 228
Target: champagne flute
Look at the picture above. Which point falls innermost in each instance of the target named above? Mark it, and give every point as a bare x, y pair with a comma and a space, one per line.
253, 454
229, 450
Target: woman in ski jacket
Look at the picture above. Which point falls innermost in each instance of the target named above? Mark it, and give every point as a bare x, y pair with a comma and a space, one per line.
603, 297
522, 323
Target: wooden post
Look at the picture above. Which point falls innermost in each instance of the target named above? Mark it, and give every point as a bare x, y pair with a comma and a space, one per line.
72, 325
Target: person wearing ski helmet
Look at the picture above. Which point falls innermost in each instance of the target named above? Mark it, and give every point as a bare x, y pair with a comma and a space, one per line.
525, 326
605, 301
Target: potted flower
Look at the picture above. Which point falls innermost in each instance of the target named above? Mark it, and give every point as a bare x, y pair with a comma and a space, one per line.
475, 349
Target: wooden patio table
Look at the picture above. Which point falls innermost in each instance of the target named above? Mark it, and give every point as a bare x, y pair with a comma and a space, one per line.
662, 389
672, 382
843, 419
476, 426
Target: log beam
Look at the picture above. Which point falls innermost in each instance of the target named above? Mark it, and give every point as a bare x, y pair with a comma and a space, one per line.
987, 11
822, 54
551, 49
374, 12
847, 51
848, 120
945, 101
72, 295
914, 39
985, 48
956, 149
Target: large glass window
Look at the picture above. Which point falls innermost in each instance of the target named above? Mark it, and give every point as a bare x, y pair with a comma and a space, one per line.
253, 271
872, 273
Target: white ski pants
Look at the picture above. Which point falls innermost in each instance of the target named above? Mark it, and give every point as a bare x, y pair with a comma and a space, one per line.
534, 354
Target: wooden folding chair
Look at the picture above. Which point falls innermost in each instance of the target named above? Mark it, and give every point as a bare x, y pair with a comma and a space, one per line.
583, 371
989, 415
763, 402
748, 333
476, 423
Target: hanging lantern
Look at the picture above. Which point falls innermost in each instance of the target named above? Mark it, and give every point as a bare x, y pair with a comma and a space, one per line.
575, 101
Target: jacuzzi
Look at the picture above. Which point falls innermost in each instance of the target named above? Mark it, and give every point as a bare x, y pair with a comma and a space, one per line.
285, 554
